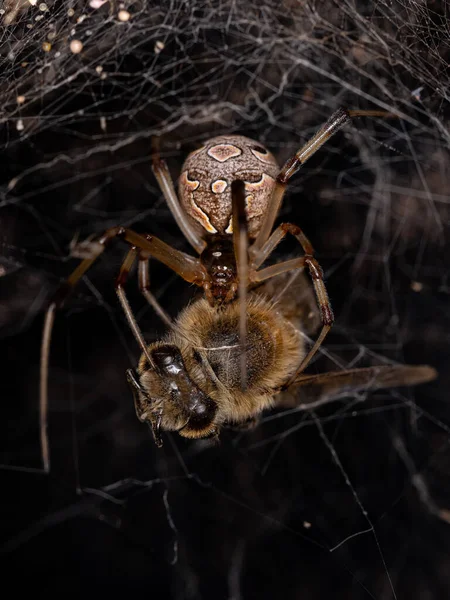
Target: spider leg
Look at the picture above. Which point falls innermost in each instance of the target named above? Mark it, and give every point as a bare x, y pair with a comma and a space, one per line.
119, 285
315, 272
188, 267
282, 267
162, 174
144, 286
277, 236
337, 120
184, 265
240, 241
43, 385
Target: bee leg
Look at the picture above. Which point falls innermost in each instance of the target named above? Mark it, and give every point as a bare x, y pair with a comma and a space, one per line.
142, 412
137, 389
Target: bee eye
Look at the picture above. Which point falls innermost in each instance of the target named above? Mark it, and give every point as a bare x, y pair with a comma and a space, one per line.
168, 359
201, 411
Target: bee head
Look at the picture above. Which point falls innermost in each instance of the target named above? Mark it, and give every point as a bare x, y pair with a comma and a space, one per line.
168, 399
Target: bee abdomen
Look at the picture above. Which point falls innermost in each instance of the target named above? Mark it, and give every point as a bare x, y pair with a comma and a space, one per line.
273, 348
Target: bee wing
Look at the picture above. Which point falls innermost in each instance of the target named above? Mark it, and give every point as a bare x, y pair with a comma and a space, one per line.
326, 387
294, 297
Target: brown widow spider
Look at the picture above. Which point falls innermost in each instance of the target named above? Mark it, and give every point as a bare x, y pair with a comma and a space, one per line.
230, 192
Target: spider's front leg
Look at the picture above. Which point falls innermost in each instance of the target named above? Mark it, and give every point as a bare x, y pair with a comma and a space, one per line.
337, 120
184, 265
144, 288
162, 174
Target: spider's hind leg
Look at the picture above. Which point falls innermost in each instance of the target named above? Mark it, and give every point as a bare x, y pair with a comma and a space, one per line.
337, 120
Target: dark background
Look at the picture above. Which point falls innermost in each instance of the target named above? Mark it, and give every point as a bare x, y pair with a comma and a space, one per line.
270, 513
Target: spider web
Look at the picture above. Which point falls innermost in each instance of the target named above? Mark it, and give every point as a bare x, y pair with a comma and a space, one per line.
357, 491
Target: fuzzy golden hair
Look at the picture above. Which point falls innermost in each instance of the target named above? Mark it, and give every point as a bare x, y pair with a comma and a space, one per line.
274, 349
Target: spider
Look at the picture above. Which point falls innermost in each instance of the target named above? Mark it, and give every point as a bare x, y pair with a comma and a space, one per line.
230, 192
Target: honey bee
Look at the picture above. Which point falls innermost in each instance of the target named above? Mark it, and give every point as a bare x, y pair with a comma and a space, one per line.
193, 384
229, 355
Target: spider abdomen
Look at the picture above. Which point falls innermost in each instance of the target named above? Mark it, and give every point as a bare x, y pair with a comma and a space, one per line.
206, 177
